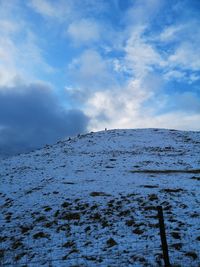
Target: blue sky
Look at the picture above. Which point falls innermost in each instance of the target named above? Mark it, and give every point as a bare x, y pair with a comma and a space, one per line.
91, 64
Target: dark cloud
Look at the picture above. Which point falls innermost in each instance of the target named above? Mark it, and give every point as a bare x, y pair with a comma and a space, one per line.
31, 116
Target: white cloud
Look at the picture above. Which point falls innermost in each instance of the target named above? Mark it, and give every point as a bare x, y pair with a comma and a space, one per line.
91, 71
84, 31
175, 74
194, 77
181, 76
183, 53
24, 59
43, 7
176, 120
8, 53
126, 109
53, 9
141, 56
20, 54
171, 33
117, 109
32, 56
8, 27
186, 56
68, 10
142, 11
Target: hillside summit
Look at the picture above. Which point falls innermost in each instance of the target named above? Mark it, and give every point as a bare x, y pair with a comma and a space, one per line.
91, 200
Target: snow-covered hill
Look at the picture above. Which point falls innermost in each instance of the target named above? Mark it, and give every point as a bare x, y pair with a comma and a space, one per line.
91, 200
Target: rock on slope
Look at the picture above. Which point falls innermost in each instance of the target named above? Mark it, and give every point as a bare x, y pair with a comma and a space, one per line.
91, 200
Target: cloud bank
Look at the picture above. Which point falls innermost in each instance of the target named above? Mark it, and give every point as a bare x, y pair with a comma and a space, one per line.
32, 116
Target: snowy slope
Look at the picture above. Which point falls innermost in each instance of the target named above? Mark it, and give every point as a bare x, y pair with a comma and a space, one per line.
91, 200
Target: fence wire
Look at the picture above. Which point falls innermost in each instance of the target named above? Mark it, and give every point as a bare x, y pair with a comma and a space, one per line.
121, 244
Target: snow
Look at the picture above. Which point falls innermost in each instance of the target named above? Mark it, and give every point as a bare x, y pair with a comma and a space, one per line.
91, 200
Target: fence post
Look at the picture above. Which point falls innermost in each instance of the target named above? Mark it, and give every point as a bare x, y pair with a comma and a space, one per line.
163, 237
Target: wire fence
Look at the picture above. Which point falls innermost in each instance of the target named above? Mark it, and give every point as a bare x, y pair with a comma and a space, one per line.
118, 242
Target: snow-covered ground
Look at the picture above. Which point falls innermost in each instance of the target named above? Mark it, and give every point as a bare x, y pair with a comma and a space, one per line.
92, 200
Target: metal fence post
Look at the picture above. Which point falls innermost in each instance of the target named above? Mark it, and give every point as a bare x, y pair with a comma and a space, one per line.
163, 237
